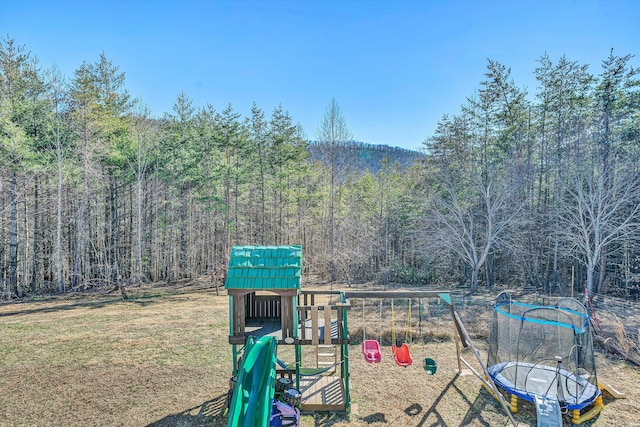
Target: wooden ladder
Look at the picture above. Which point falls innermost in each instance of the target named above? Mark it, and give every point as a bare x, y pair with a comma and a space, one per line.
327, 355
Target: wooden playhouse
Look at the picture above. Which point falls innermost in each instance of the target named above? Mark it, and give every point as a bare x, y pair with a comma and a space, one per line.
265, 298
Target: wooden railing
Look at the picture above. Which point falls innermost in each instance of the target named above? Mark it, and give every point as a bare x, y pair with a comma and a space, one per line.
262, 306
323, 324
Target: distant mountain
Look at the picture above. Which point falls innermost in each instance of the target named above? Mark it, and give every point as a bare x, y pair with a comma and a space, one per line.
368, 156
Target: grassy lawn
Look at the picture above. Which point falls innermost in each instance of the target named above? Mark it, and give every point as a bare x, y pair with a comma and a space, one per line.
162, 359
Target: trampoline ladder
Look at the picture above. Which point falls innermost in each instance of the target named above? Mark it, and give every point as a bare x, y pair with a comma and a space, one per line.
548, 412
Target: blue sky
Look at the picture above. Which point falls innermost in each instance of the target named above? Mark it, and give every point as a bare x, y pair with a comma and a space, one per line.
394, 67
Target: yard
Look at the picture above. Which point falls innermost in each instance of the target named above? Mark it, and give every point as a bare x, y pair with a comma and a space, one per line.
162, 359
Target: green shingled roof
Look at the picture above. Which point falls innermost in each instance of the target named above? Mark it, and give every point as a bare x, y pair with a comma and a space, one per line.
264, 267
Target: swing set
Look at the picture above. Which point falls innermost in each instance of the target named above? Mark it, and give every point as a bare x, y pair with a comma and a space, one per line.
400, 349
462, 339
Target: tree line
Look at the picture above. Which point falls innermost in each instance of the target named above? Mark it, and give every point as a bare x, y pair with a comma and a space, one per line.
96, 191
543, 191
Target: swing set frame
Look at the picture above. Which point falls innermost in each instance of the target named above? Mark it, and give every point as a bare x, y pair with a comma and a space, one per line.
400, 350
461, 335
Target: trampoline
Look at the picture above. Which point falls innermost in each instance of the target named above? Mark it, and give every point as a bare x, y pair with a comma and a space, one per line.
543, 351
527, 380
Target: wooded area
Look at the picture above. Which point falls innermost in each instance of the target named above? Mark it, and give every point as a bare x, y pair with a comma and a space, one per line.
523, 190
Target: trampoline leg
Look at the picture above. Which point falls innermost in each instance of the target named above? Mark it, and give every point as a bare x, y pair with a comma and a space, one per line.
598, 406
514, 403
575, 416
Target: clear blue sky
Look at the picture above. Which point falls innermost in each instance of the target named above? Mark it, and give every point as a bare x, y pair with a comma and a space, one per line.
395, 67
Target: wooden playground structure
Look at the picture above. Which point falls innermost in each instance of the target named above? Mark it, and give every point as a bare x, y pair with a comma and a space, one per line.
265, 298
277, 307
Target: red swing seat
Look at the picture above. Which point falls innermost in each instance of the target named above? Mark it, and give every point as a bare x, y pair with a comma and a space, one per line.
402, 355
371, 351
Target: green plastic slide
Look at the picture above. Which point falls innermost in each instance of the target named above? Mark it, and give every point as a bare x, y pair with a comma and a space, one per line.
253, 392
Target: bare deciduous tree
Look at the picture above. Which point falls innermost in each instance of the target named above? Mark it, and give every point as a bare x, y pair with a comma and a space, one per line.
57, 95
474, 219
598, 212
337, 155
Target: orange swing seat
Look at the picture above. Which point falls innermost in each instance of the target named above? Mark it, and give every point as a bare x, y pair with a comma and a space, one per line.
402, 355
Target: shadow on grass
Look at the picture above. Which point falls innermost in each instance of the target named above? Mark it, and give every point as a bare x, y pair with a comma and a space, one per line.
485, 402
472, 417
142, 298
210, 414
415, 409
327, 419
143, 301
378, 417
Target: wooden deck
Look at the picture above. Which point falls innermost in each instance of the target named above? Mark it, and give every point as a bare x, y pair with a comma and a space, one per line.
322, 393
259, 328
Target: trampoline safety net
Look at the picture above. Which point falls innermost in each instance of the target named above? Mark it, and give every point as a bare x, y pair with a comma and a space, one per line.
544, 351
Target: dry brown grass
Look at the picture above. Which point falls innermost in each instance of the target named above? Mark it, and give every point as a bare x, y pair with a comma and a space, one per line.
159, 359
162, 359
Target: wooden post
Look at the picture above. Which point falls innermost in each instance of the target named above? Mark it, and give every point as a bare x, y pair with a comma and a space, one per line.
314, 325
344, 366
458, 356
572, 277
458, 327
339, 317
286, 316
327, 324
303, 323
489, 380
238, 314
